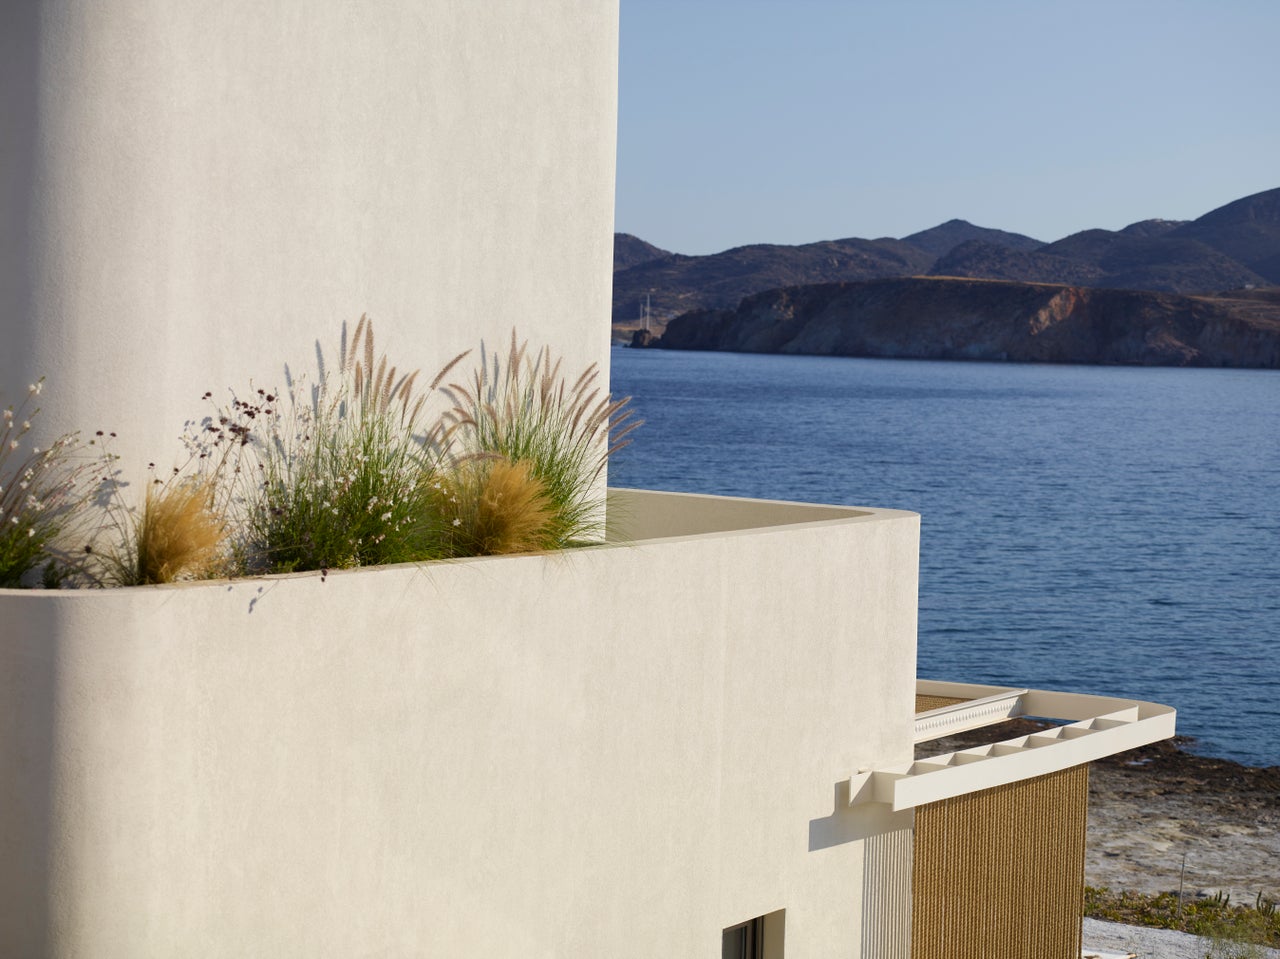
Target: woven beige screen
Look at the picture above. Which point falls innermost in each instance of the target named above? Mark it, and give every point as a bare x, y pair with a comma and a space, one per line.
1001, 872
926, 703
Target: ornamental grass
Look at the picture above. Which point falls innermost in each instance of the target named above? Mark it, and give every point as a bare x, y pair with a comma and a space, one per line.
349, 471
340, 477
489, 505
177, 535
525, 411
42, 493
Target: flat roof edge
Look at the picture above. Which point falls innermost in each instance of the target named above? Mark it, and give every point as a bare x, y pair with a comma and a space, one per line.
1098, 726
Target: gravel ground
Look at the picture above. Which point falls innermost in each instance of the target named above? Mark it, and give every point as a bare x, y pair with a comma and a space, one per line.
1152, 808
1116, 939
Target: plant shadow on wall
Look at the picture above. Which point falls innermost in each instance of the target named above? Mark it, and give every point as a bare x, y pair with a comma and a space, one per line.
345, 472
43, 495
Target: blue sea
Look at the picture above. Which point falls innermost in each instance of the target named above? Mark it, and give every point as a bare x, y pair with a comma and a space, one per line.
1101, 529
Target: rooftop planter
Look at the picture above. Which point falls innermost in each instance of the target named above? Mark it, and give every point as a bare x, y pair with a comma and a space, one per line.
453, 757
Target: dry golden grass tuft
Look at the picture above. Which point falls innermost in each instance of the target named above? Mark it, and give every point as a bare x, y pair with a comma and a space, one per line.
492, 505
178, 535
527, 411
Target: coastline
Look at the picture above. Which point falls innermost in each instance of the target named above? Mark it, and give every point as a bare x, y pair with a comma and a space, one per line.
1152, 806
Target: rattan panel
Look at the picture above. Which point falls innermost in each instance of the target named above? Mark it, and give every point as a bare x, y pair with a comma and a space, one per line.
926, 703
1001, 872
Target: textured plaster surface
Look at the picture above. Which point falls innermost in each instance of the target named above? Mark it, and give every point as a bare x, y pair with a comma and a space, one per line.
612, 752
193, 194
616, 751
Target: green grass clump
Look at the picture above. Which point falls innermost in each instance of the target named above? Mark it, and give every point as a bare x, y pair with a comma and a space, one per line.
347, 472
42, 493
340, 478
1228, 929
525, 411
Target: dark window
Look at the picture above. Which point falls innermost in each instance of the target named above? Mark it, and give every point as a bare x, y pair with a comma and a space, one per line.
758, 938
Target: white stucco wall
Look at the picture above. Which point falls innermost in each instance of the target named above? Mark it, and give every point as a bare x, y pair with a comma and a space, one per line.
613, 752
193, 193
610, 752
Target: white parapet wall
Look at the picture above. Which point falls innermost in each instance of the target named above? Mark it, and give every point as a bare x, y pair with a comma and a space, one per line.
193, 194
616, 751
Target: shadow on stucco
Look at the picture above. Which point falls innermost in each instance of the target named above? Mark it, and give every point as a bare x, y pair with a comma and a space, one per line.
19, 148
886, 839
28, 676
28, 738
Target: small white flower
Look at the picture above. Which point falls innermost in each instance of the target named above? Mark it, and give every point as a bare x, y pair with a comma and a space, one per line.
35, 450
35, 388
13, 520
26, 424
385, 516
457, 521
31, 532
13, 444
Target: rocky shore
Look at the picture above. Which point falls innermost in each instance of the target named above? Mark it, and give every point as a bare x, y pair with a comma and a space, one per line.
1153, 808
945, 318
1150, 808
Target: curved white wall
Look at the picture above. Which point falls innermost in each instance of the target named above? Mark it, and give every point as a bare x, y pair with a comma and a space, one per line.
193, 193
607, 752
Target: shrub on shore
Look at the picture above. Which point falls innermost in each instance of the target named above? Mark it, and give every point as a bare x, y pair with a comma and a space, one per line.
1227, 928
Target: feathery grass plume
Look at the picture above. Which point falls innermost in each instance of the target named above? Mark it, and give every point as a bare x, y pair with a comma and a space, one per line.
341, 479
177, 535
526, 411
180, 536
490, 505
42, 495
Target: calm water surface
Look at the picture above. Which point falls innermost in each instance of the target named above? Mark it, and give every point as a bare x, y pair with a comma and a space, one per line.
1101, 529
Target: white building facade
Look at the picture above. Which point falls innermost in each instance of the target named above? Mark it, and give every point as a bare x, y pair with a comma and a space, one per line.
696, 739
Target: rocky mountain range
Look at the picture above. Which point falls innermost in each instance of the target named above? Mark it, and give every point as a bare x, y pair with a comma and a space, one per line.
1157, 292
675, 283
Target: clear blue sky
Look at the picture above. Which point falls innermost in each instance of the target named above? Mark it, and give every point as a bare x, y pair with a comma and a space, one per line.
787, 121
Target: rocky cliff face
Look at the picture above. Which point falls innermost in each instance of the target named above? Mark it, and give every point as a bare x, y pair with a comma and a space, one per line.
950, 319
